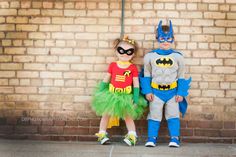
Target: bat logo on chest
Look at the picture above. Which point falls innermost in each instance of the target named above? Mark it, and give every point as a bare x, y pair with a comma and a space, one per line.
164, 62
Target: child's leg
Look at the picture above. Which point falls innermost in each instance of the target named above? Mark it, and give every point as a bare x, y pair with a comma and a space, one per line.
102, 134
173, 121
130, 124
154, 120
131, 137
103, 123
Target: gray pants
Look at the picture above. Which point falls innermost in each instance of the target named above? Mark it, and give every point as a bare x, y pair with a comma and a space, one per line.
156, 109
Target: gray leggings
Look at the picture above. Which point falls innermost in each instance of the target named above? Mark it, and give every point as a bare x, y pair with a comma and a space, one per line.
156, 109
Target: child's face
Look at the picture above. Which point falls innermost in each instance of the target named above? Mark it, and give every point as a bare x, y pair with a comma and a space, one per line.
125, 51
165, 45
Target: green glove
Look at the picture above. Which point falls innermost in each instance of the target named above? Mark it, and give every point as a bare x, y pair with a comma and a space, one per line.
135, 95
103, 85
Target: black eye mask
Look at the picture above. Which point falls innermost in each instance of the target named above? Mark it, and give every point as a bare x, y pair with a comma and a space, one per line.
122, 51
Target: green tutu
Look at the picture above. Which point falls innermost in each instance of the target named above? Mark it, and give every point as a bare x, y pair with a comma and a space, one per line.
117, 104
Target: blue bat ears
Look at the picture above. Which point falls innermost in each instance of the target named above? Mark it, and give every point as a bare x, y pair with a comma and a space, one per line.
160, 31
159, 28
165, 35
171, 28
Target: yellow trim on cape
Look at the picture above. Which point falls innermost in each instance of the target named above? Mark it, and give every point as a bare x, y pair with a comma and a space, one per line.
113, 121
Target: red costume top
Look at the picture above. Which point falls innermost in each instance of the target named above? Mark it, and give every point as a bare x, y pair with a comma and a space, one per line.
122, 79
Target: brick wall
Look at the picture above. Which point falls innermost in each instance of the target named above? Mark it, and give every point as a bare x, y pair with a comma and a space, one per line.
53, 53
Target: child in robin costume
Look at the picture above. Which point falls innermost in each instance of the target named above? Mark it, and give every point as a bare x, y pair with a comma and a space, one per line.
164, 85
118, 94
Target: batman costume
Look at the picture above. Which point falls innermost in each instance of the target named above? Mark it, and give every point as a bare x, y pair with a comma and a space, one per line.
163, 76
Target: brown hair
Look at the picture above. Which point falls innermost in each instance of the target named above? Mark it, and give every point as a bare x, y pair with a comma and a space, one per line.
116, 43
165, 28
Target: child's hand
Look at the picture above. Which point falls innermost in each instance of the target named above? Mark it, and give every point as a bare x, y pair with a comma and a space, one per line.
149, 97
103, 86
179, 98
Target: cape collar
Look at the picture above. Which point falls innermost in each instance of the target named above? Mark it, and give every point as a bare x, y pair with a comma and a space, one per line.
163, 52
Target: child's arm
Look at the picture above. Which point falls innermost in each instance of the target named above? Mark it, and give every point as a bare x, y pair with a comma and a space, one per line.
183, 85
136, 89
147, 66
107, 78
180, 75
105, 82
181, 69
146, 80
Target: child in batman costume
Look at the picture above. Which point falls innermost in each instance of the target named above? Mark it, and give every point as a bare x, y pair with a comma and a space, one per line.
164, 85
118, 94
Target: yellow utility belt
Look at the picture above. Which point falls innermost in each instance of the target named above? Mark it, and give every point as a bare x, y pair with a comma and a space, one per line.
164, 86
126, 90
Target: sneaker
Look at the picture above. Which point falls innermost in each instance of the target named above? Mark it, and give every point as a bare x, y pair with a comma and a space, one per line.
130, 140
102, 138
174, 142
151, 142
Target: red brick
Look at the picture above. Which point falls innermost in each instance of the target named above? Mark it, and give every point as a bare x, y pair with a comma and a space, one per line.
76, 131
142, 123
229, 125
35, 122
39, 137
11, 120
6, 129
205, 124
183, 124
163, 139
26, 129
186, 132
220, 140
51, 130
114, 131
59, 123
207, 132
94, 122
72, 123
140, 132
64, 138
93, 131
194, 139
228, 133
84, 122
163, 124
23, 121
3, 121
14, 136
87, 138
47, 122
163, 131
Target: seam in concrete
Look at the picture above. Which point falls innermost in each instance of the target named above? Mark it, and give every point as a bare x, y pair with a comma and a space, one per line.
112, 147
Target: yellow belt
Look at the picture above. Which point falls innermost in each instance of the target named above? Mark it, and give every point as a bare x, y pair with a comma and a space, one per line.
126, 90
164, 86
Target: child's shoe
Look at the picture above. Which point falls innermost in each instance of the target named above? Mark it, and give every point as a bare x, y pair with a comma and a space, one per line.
102, 138
174, 142
130, 139
151, 142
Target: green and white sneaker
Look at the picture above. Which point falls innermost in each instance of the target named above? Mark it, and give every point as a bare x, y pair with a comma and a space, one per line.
130, 140
102, 138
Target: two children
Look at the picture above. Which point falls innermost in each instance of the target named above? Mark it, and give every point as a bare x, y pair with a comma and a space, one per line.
163, 84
